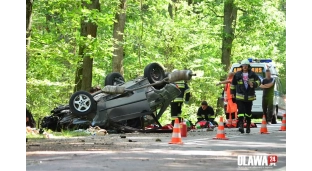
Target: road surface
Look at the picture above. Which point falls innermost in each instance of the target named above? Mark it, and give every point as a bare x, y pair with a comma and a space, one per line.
113, 153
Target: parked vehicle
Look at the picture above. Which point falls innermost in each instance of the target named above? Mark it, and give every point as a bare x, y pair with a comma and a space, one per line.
121, 104
259, 66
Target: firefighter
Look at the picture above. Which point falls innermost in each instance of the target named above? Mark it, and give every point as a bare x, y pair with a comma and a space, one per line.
176, 104
205, 112
243, 90
30, 121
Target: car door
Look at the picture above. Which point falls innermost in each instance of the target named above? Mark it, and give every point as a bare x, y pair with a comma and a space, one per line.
279, 98
276, 92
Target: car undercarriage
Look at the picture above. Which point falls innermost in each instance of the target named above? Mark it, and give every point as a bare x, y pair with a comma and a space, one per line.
120, 105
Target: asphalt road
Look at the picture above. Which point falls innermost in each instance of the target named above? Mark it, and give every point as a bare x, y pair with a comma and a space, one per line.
199, 152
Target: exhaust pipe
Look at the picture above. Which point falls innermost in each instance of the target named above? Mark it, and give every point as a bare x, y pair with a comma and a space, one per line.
180, 75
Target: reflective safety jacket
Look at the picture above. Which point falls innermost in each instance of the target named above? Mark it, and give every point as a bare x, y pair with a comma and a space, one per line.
205, 114
185, 92
230, 107
238, 87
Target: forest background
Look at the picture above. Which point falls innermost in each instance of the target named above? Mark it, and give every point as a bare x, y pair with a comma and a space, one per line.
72, 45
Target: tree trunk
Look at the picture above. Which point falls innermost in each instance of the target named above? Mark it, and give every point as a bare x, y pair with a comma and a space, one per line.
189, 2
230, 14
29, 5
83, 78
118, 33
171, 6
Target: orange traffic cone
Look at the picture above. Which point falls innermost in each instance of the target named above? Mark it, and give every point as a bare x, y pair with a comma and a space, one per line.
176, 133
220, 132
229, 123
283, 127
264, 129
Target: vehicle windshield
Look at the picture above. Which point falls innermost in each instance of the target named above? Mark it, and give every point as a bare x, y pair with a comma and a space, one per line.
258, 70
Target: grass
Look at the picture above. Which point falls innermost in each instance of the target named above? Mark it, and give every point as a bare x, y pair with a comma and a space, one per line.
66, 134
256, 120
70, 133
35, 136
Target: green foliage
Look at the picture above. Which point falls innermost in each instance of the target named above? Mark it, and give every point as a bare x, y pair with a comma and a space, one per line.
59, 134
191, 40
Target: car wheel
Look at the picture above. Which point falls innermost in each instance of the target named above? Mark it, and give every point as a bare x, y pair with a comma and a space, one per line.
154, 73
274, 115
82, 103
114, 78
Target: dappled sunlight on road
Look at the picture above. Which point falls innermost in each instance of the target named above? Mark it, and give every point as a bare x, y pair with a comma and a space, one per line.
198, 152
139, 158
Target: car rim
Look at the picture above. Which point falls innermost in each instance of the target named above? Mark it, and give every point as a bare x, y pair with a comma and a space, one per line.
117, 81
156, 74
82, 103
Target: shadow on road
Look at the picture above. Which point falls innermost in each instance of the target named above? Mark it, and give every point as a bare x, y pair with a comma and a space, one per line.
199, 152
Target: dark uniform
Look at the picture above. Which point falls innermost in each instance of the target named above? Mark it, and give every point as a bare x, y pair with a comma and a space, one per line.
176, 104
267, 99
30, 121
244, 96
207, 114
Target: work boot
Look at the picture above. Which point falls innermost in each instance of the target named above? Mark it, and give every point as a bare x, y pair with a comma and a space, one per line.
241, 127
248, 128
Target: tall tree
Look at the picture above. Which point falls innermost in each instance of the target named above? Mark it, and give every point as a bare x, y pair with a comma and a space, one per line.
29, 6
83, 79
118, 35
171, 5
229, 19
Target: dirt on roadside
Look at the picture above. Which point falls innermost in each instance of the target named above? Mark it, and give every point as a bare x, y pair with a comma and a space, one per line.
108, 142
92, 143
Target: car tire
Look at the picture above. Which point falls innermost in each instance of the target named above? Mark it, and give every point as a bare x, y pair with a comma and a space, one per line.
274, 115
110, 79
154, 73
82, 103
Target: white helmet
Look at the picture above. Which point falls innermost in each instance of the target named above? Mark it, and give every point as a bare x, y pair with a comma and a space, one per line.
245, 62
174, 70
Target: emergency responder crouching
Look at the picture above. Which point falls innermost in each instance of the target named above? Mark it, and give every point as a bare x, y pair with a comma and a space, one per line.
176, 104
205, 112
243, 89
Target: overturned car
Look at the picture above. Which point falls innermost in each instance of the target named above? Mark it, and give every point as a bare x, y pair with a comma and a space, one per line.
120, 105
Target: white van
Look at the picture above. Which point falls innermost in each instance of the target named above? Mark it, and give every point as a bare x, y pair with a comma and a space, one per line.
259, 67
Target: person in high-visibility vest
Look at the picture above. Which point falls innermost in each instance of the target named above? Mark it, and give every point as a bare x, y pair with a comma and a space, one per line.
176, 104
243, 88
231, 105
205, 112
